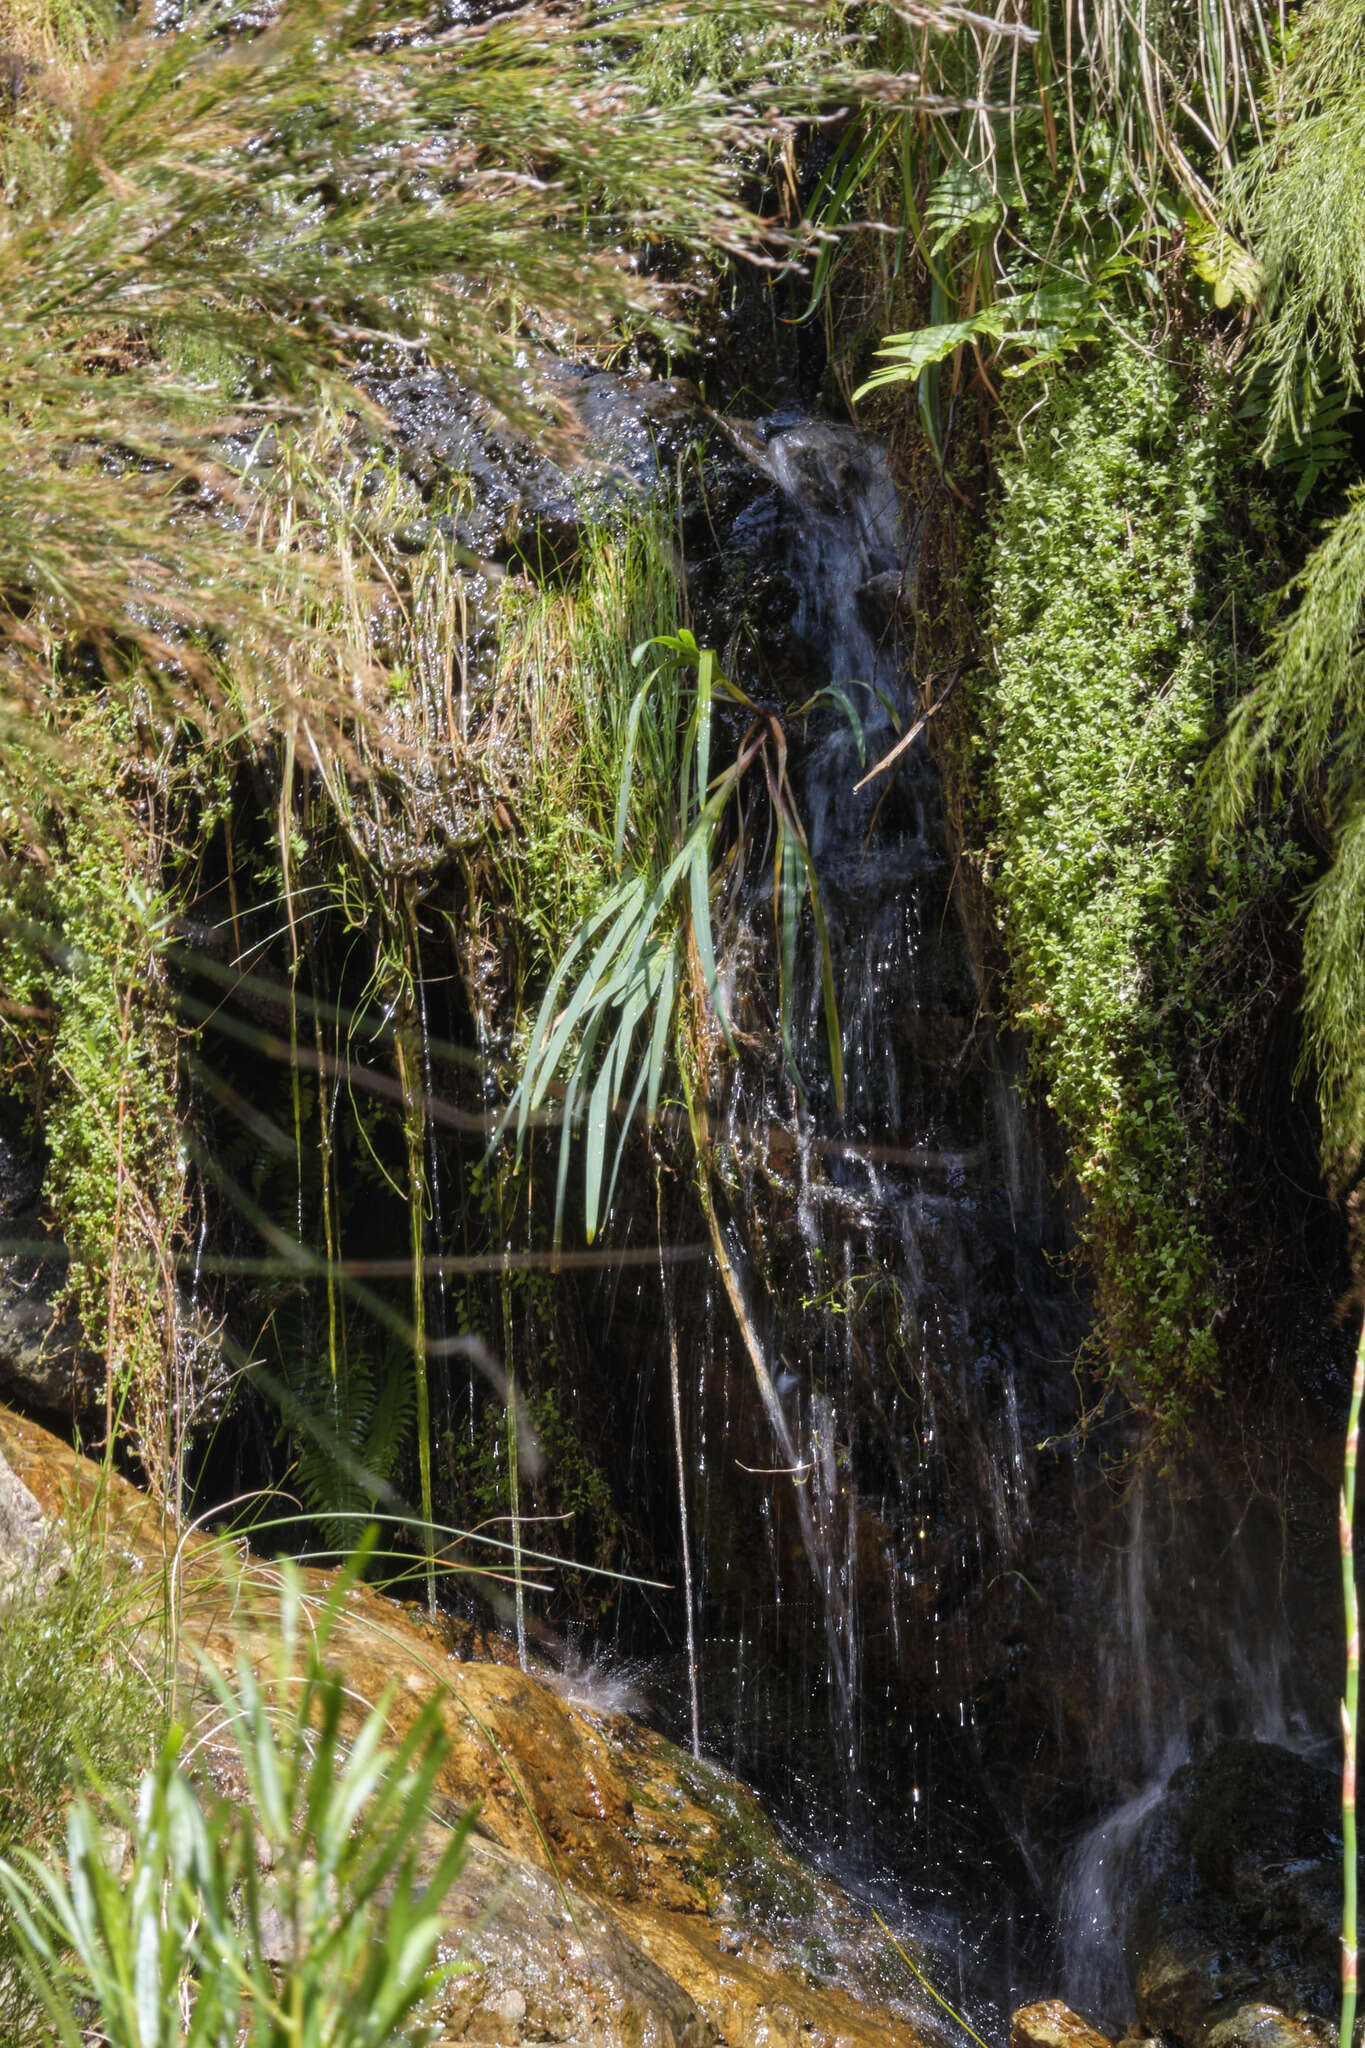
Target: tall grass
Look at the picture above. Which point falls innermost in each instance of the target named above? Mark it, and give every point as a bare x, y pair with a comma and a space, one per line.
81, 1704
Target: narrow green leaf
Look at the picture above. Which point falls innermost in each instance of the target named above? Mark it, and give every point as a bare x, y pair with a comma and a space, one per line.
628, 766
700, 883
833, 1032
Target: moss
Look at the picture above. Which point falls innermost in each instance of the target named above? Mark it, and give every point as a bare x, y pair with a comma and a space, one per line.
93, 1046
1122, 600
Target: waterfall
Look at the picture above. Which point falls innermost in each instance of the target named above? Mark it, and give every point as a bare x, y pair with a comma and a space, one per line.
875, 1425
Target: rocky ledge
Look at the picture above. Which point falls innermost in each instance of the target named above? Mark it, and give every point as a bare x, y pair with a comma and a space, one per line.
618, 1893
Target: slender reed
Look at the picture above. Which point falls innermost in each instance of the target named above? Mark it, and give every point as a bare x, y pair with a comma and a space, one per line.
1350, 1706
414, 1128
675, 1389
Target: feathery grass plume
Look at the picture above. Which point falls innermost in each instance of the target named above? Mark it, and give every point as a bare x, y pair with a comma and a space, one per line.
1302, 725
307, 199
1350, 1708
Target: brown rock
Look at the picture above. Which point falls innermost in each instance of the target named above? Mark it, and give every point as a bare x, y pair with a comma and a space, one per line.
1257, 2025
28, 1549
1051, 2024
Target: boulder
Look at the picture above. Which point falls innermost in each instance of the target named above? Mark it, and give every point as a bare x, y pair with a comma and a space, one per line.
1237, 1941
1265, 2026
27, 1547
1051, 2024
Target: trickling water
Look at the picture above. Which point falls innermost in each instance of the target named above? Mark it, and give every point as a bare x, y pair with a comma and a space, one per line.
849, 1425
1195, 1653
884, 1262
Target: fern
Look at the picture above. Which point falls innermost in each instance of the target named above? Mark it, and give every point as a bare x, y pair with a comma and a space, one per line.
1303, 726
1304, 200
349, 1435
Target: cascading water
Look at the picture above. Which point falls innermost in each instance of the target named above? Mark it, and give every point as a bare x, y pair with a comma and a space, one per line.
1195, 1654
871, 1434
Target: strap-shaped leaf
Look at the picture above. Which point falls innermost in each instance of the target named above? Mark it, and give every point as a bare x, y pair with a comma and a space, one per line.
833, 1032
658, 1041
628, 764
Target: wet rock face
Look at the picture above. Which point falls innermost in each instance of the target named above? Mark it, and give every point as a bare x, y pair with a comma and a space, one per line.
43, 1360
623, 434
1237, 1944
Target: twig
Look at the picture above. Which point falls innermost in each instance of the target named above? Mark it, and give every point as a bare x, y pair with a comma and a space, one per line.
907, 739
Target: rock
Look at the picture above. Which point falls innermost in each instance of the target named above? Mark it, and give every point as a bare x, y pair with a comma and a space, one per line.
1238, 1941
1265, 2026
27, 1548
882, 599
43, 1360
1051, 2024
1180, 1988
624, 433
609, 1874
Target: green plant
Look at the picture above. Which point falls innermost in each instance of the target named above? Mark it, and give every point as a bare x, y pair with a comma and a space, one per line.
1350, 1707
1113, 651
306, 1918
200, 586
91, 1039
651, 938
79, 1707
1300, 725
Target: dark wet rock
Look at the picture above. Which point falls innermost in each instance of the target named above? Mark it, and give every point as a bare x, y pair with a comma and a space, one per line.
1238, 1943
621, 436
44, 1362
1264, 2026
882, 599
1052, 2024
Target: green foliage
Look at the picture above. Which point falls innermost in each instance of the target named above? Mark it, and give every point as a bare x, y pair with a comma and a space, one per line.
1042, 193
651, 939
1303, 723
81, 944
76, 1708
563, 712
306, 1918
1302, 197
196, 273
1113, 649
57, 32
349, 1432
274, 197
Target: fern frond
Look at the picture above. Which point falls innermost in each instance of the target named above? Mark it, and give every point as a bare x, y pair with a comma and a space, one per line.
1304, 200
1305, 717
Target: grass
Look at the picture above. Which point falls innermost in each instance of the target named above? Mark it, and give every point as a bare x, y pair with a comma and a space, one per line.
79, 1709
